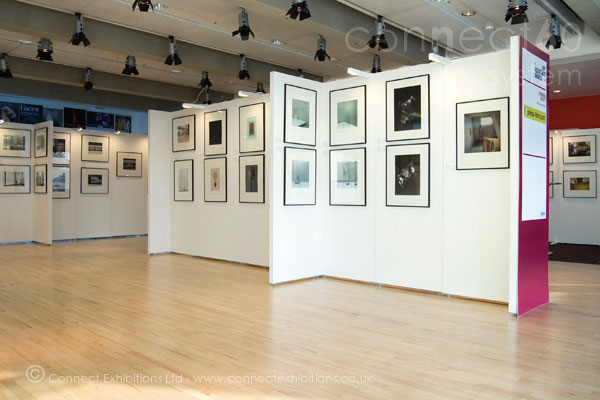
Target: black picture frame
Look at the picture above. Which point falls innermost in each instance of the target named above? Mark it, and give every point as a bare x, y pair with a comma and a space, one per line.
565, 184
428, 175
365, 111
30, 142
173, 133
285, 93
174, 180
387, 133
28, 169
70, 152
68, 167
226, 180
263, 125
96, 169
364, 149
285, 150
45, 177
141, 164
224, 134
45, 129
264, 180
107, 148
565, 149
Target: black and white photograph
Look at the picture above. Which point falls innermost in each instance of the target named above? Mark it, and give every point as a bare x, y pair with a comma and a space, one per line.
15, 179
215, 133
252, 179
184, 133
129, 164
94, 180
95, 148
348, 115
407, 169
40, 179
580, 184
300, 174
408, 108
183, 171
61, 182
579, 149
215, 180
15, 143
252, 128
300, 117
40, 143
61, 148
347, 170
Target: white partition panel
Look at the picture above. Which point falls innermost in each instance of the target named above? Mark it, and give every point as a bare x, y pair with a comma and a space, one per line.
159, 182
42, 203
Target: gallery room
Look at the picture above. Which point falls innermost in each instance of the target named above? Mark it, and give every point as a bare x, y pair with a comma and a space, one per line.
299, 199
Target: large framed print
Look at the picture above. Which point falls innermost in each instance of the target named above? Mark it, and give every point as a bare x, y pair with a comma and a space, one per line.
61, 148
482, 134
40, 143
129, 164
580, 184
407, 108
347, 177
551, 184
348, 116
215, 133
215, 180
94, 180
61, 182
184, 133
15, 179
183, 171
407, 175
252, 128
252, 179
579, 149
40, 179
300, 116
15, 143
300, 174
100, 120
550, 151
95, 148
74, 118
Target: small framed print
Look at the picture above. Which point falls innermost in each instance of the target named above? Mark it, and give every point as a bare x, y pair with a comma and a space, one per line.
347, 177
579, 149
551, 184
550, 151
61, 182
407, 171
40, 179
40, 143
482, 134
252, 128
15, 143
300, 174
579, 184
94, 180
215, 180
348, 116
252, 179
129, 164
94, 148
184, 133
215, 133
407, 108
15, 179
184, 180
300, 116
61, 148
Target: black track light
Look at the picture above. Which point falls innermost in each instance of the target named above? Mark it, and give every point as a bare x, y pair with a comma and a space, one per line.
378, 40
207, 100
300, 73
173, 57
555, 39
79, 36
321, 53
143, 5
130, 67
244, 28
4, 68
299, 9
244, 74
376, 64
205, 83
45, 50
516, 12
260, 88
88, 85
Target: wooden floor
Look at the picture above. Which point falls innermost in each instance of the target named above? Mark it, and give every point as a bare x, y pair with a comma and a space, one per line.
105, 321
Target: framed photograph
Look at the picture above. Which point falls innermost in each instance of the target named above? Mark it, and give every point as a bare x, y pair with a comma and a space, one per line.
40, 143
184, 133
348, 116
215, 180
94, 180
252, 179
407, 174
40, 179
347, 177
252, 128
407, 108
579, 184
95, 148
9, 112
215, 133
100, 120
551, 184
482, 134
123, 123
31, 113
15, 143
61, 148
74, 118
300, 116
55, 115
184, 180
129, 164
300, 174
61, 182
550, 151
579, 149
15, 179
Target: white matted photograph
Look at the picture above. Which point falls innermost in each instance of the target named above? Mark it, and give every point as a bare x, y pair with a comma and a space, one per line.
550, 151
407, 170
348, 116
129, 164
183, 133
407, 108
252, 179
40, 179
215, 133
183, 180
252, 128
61, 182
215, 180
95, 148
300, 125
579, 149
347, 177
15, 143
40, 143
580, 184
15, 179
300, 175
94, 181
61, 148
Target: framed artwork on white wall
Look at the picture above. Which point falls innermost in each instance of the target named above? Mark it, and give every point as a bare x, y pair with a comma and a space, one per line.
300, 116
215, 133
300, 175
61, 182
580, 184
129, 164
348, 116
15, 143
40, 179
95, 148
252, 128
15, 179
551, 184
550, 151
183, 133
183, 180
61, 148
94, 181
407, 108
40, 143
347, 177
407, 171
579, 149
252, 179
215, 180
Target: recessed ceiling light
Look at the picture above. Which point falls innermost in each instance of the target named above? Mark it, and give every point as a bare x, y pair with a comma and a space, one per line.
25, 41
469, 13
557, 91
160, 6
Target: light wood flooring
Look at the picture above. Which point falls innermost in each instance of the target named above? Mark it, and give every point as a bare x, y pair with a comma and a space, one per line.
139, 327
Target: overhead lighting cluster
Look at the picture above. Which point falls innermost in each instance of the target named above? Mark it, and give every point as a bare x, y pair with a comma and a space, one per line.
555, 39
45, 50
4, 68
130, 67
244, 28
143, 5
378, 40
79, 36
299, 9
173, 57
88, 85
321, 53
516, 12
243, 74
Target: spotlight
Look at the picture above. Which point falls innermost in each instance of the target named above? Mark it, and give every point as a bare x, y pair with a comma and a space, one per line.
130, 67
173, 57
205, 83
244, 74
143, 5
376, 64
207, 100
300, 73
260, 88
45, 50
244, 30
322, 50
299, 8
516, 11
555, 40
379, 40
79, 36
4, 68
88, 85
